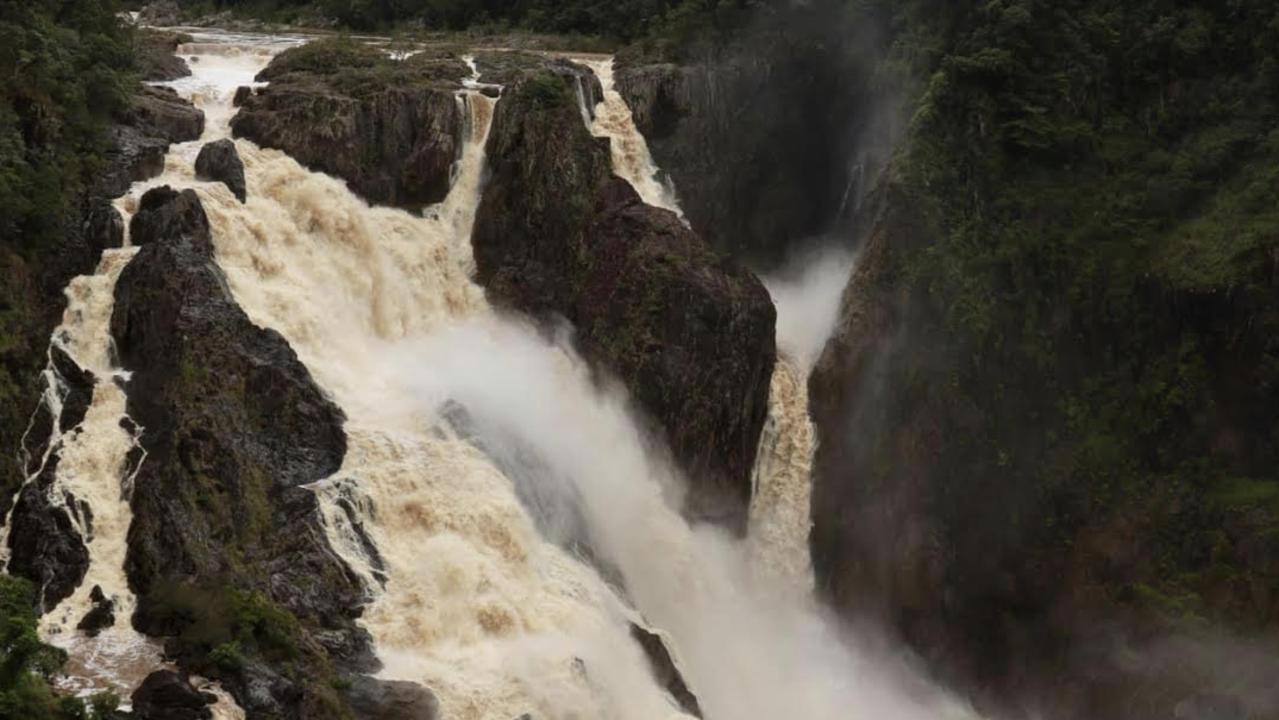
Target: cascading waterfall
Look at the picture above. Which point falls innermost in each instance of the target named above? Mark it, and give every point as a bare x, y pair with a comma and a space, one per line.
631, 158
93, 469
466, 593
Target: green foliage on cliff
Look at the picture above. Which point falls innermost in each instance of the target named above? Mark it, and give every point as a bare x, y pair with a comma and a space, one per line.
27, 664
66, 66
618, 20
1099, 290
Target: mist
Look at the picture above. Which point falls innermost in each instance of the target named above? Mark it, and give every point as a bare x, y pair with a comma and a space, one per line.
746, 647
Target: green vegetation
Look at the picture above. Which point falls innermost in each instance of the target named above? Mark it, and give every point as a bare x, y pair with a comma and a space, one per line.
224, 625
623, 20
27, 665
67, 64
1094, 318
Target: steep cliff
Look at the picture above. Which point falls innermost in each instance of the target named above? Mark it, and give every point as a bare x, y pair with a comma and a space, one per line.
687, 332
1046, 421
765, 130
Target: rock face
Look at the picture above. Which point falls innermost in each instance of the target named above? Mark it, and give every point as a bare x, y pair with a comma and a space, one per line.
44, 545
1024, 593
221, 530
219, 161
763, 137
154, 53
373, 699
390, 129
690, 335
31, 291
163, 113
164, 213
167, 695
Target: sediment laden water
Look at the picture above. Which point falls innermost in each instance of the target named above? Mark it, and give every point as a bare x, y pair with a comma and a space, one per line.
455, 411
632, 160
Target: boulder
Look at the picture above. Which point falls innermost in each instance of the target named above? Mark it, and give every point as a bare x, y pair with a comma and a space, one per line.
160, 112
78, 384
374, 699
218, 161
169, 695
391, 129
163, 214
100, 616
242, 94
689, 333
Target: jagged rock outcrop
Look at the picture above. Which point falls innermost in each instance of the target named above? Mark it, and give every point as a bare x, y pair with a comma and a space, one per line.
219, 161
100, 616
160, 111
688, 333
164, 213
44, 545
664, 669
391, 129
221, 531
168, 695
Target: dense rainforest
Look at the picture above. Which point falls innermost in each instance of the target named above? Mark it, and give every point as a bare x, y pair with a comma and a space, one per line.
1048, 420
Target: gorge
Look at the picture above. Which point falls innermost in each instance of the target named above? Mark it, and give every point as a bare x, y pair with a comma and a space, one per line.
475, 377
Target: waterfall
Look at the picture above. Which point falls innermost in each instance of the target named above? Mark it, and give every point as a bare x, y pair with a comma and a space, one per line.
632, 161
454, 413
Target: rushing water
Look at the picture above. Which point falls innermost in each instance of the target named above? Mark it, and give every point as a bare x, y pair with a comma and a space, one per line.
478, 449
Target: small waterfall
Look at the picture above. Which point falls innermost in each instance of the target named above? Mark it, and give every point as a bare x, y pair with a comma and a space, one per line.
94, 469
631, 159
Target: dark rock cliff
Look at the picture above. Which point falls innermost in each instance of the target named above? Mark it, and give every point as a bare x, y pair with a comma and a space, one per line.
226, 551
758, 134
688, 333
391, 129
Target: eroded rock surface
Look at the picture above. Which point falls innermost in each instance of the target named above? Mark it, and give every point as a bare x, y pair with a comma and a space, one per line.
689, 333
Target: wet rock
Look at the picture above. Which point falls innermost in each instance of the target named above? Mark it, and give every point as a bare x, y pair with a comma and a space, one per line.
100, 616
104, 228
78, 384
44, 545
242, 94
159, 111
690, 334
135, 156
169, 695
374, 699
234, 424
218, 161
390, 129
664, 669
165, 214
155, 57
